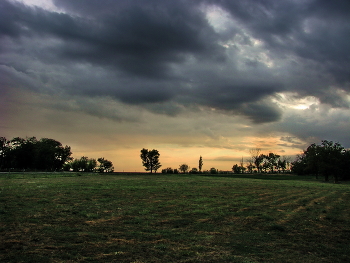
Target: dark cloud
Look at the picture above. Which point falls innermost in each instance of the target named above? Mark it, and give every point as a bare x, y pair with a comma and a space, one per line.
261, 112
291, 141
316, 30
137, 38
167, 55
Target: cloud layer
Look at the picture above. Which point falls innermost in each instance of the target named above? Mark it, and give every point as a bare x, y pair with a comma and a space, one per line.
251, 61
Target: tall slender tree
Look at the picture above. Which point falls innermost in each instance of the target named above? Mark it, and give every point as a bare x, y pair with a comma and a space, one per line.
200, 163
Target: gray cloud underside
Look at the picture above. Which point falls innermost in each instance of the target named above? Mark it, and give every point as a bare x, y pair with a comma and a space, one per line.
166, 55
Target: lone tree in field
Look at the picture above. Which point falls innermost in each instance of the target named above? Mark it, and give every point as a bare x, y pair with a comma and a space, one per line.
150, 159
200, 163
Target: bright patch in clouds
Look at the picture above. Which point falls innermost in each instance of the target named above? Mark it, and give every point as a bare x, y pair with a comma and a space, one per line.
189, 78
45, 4
291, 100
218, 18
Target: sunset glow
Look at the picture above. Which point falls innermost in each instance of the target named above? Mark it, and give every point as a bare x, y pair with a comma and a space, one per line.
188, 78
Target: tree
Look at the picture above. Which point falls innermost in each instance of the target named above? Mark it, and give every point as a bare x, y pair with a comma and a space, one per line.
22, 153
51, 155
242, 166
80, 165
84, 164
105, 166
237, 169
213, 170
150, 160
91, 165
250, 165
184, 168
200, 164
330, 157
194, 170
282, 164
30, 153
272, 160
168, 170
257, 158
4, 147
326, 159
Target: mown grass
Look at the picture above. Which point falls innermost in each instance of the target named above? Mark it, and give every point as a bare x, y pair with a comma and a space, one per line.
172, 218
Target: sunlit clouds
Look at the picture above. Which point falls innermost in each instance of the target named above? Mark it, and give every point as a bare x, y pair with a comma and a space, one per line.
188, 78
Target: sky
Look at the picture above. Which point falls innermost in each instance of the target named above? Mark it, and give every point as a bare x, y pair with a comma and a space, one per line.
188, 78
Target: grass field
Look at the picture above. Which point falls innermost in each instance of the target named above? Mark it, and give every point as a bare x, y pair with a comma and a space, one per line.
172, 218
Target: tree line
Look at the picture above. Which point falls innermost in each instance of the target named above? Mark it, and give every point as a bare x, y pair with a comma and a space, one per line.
150, 160
327, 159
45, 155
259, 162
85, 164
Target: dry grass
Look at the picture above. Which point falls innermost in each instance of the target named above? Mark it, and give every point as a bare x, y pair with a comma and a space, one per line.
142, 218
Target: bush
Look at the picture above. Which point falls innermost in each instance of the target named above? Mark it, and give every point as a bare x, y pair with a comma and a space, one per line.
213, 170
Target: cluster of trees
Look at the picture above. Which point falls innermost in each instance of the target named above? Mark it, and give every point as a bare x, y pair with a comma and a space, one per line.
327, 159
23, 154
262, 163
85, 164
45, 155
150, 160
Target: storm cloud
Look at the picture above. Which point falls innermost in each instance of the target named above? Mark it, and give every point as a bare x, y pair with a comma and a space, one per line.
175, 57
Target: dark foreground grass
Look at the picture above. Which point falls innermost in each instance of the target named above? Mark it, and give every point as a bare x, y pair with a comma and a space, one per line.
143, 218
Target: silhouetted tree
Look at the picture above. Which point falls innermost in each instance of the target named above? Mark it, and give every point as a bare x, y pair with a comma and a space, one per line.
150, 159
184, 168
250, 165
4, 148
45, 154
200, 163
282, 164
194, 170
326, 159
105, 166
213, 170
91, 165
272, 160
237, 169
257, 158
80, 165
170, 170
51, 155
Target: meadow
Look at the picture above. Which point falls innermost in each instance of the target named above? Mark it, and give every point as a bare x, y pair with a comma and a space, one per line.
172, 218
